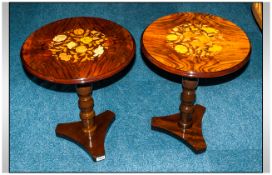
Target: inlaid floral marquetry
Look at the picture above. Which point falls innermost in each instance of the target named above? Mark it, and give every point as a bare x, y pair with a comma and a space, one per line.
193, 45
196, 45
196, 40
78, 50
78, 45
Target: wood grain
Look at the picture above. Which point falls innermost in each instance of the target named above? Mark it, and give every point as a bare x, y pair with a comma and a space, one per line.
91, 131
186, 124
86, 104
188, 97
38, 59
191, 136
92, 142
233, 55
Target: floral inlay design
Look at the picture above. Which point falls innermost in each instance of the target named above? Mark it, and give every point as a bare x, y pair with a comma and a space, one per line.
196, 40
79, 45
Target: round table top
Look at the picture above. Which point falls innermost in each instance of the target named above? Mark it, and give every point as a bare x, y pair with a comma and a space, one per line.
78, 50
196, 45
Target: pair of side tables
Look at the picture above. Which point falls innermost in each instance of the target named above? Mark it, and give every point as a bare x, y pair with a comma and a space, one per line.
83, 50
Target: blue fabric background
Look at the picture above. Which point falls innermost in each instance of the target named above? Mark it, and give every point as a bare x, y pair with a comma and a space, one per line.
232, 125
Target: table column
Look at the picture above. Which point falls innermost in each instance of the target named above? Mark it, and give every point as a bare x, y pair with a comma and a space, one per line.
188, 97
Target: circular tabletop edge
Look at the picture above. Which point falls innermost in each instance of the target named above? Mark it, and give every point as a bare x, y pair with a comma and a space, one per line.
195, 74
80, 80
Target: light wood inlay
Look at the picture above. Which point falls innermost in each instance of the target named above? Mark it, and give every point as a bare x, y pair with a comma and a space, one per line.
228, 45
78, 45
91, 65
195, 40
78, 51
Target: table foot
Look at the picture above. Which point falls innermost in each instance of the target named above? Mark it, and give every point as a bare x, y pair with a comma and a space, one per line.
93, 142
192, 137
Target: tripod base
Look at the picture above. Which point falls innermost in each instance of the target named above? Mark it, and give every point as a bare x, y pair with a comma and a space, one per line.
93, 142
192, 136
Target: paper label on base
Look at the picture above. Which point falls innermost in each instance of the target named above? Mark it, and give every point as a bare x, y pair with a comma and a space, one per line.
100, 158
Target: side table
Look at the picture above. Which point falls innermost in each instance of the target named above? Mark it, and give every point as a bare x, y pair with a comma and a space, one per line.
80, 51
193, 45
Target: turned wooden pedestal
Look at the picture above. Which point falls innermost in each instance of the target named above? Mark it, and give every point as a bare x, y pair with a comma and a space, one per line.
80, 51
193, 45
186, 124
90, 133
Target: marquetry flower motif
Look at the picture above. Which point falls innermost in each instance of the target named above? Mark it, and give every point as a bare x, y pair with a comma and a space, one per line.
196, 40
78, 45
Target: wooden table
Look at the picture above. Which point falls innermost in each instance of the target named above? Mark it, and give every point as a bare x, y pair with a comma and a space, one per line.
193, 45
80, 51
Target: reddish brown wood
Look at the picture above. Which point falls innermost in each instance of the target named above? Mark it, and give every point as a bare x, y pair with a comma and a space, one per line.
39, 60
193, 45
92, 142
188, 97
85, 104
185, 125
91, 131
64, 52
235, 47
191, 136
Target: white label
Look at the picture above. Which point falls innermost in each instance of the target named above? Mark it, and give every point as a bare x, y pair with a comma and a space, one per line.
100, 158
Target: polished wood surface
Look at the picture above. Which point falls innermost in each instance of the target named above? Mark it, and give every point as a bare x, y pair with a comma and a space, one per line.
185, 125
191, 136
193, 45
257, 10
196, 45
86, 104
188, 97
90, 133
92, 142
78, 50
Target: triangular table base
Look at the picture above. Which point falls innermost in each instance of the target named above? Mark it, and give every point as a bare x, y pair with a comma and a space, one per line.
192, 137
92, 143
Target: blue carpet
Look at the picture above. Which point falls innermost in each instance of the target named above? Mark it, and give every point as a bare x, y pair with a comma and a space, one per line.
232, 125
